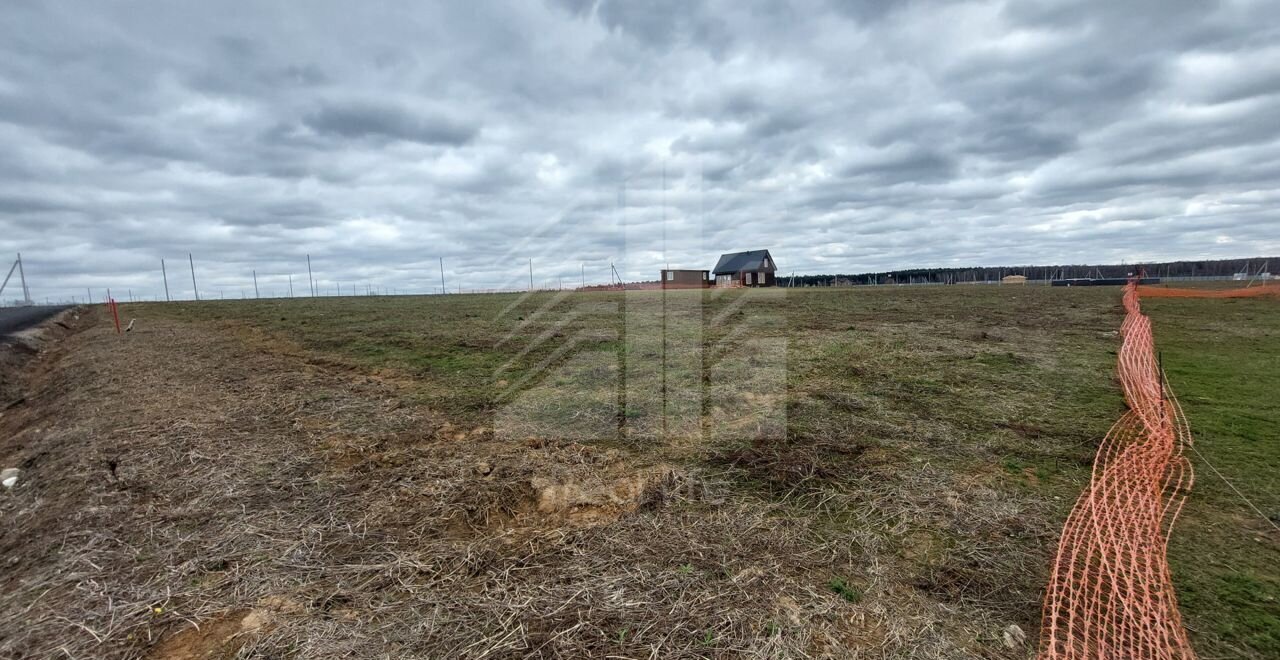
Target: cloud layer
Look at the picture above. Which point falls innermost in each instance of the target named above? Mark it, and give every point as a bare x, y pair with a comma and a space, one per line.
845, 137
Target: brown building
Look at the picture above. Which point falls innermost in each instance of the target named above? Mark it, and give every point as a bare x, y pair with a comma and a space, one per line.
753, 268
685, 279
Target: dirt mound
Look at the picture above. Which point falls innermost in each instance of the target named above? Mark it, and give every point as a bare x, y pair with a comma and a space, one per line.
222, 636
217, 639
483, 487
602, 501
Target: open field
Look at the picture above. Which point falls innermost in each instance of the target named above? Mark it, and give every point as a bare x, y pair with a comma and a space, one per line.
1223, 359
873, 472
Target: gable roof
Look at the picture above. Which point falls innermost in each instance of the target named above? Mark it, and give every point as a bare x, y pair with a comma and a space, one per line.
737, 262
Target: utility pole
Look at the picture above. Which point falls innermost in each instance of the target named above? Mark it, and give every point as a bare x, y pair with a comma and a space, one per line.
89, 295
191, 260
165, 274
531, 274
255, 284
16, 266
310, 278
290, 285
442, 289
584, 275
664, 232
22, 275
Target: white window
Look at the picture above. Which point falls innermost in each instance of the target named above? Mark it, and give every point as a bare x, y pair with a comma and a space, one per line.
671, 275
749, 277
766, 262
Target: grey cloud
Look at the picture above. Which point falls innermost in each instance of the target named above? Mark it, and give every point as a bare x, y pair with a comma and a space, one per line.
295, 213
363, 119
14, 205
844, 137
899, 163
1017, 141
663, 22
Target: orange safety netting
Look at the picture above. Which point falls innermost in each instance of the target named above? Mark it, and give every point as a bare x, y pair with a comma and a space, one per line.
1247, 292
1110, 594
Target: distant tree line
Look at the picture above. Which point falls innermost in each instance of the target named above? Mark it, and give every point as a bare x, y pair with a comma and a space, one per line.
1202, 268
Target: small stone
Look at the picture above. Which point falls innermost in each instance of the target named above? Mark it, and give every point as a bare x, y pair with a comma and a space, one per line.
1014, 637
9, 477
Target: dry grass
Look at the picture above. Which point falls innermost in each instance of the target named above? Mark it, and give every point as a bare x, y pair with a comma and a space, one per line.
294, 498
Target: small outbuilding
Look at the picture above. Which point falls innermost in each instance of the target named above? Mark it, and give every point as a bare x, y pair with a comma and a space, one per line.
685, 279
752, 268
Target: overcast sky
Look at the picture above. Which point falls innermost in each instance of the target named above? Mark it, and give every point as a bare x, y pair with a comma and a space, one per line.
378, 137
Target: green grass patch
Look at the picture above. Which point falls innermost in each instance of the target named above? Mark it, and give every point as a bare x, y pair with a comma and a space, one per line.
845, 590
1222, 358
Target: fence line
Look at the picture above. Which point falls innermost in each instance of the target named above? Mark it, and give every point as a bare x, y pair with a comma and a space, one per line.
257, 285
1110, 593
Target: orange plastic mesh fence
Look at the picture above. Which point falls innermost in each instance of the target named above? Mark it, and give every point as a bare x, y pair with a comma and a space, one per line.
1247, 292
1110, 594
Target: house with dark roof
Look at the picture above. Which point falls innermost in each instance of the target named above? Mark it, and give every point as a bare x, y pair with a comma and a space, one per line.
752, 268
